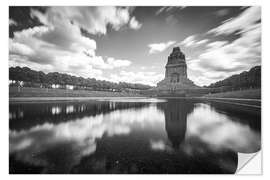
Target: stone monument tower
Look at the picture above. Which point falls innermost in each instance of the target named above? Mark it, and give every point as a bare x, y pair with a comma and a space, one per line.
176, 67
176, 73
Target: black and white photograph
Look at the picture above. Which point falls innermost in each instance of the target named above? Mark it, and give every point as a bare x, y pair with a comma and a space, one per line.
134, 89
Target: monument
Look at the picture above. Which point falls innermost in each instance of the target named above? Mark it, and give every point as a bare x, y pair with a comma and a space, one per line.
176, 79
176, 113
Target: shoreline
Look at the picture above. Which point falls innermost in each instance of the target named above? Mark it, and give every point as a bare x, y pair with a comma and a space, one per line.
50, 99
237, 101
251, 97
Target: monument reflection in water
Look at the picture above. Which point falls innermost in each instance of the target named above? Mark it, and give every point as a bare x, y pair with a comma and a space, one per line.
129, 136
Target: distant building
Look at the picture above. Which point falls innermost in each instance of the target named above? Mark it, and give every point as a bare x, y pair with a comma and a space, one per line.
176, 73
70, 87
11, 82
55, 86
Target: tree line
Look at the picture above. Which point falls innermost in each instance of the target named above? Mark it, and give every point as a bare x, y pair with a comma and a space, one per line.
244, 80
32, 78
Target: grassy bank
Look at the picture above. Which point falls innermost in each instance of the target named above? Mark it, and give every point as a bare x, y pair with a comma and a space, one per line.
241, 94
43, 92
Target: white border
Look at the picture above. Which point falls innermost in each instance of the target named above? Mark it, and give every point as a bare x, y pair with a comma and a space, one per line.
265, 75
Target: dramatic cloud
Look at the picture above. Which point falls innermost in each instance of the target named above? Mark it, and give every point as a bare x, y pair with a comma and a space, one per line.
191, 41
240, 23
217, 44
162, 9
169, 9
95, 20
100, 41
134, 24
223, 58
150, 78
159, 47
202, 42
58, 45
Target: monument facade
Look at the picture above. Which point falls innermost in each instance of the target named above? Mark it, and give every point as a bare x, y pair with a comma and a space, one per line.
176, 73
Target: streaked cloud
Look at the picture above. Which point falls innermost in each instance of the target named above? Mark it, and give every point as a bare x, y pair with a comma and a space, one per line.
159, 47
217, 44
95, 20
109, 42
202, 41
246, 20
169, 9
191, 41
223, 58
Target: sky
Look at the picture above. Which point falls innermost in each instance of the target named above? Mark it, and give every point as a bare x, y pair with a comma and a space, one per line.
132, 44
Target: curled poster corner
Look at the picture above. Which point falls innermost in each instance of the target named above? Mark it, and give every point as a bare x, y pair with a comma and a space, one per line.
249, 164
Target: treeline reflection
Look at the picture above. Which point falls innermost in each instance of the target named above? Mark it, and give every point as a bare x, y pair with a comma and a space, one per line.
24, 116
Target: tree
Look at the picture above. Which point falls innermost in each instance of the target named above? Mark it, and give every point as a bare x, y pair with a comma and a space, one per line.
244, 80
34, 77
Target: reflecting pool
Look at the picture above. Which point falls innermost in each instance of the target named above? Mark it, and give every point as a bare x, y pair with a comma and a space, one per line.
130, 136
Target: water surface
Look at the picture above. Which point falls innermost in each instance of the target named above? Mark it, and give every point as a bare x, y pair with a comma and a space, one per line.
130, 136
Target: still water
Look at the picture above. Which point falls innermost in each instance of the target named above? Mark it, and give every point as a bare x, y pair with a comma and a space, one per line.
130, 136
